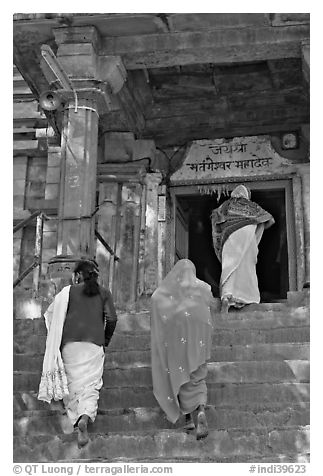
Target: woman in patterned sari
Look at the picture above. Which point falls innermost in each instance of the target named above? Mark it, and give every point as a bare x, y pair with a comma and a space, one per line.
237, 228
181, 330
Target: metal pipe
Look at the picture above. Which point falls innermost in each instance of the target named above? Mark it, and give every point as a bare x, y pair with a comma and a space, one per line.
105, 244
25, 222
25, 273
38, 253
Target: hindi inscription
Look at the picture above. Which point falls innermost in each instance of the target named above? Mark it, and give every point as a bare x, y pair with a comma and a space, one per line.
241, 156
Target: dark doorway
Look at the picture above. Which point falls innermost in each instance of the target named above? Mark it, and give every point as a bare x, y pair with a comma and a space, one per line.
272, 266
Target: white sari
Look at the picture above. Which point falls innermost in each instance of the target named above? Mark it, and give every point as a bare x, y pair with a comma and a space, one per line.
84, 363
239, 281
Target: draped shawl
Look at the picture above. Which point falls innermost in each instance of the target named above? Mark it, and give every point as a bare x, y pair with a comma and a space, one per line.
181, 330
53, 382
232, 215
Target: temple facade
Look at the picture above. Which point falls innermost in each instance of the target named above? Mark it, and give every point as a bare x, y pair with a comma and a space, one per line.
130, 129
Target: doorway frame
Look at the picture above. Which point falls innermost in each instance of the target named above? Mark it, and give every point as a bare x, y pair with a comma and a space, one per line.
294, 216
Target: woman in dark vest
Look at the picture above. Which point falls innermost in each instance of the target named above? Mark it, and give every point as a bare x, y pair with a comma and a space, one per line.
80, 322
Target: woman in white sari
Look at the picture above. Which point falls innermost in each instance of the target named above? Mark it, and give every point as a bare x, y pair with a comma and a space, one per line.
237, 228
80, 323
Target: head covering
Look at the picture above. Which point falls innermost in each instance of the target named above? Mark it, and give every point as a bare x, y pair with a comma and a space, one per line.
241, 191
233, 214
181, 330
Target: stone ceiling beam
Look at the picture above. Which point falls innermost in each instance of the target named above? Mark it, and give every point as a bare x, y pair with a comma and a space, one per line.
221, 46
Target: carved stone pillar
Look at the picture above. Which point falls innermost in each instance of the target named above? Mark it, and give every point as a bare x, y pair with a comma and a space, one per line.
78, 55
119, 221
77, 187
304, 171
306, 60
78, 180
152, 182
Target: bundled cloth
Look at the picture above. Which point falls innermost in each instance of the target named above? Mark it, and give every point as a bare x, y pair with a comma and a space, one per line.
53, 383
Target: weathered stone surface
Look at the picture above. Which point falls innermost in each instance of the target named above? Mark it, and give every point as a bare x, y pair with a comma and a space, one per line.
258, 395
244, 330
258, 336
288, 317
28, 109
152, 181
223, 395
29, 363
262, 318
221, 46
218, 372
31, 344
299, 298
254, 371
267, 351
52, 191
220, 445
26, 307
142, 357
147, 419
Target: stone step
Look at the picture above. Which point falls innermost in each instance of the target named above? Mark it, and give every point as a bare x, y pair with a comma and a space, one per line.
35, 344
54, 422
263, 319
266, 351
220, 445
218, 372
259, 336
221, 395
140, 322
136, 358
126, 463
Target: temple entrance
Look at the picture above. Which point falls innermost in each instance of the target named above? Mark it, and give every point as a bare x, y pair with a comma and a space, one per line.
276, 267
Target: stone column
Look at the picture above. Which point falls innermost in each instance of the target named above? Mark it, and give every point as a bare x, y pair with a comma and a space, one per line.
306, 60
152, 182
304, 171
77, 188
161, 233
78, 180
78, 55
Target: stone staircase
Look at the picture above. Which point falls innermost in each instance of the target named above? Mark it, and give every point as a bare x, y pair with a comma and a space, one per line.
258, 395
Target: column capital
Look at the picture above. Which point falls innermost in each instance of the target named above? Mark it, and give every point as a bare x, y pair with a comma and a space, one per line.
77, 35
78, 52
91, 76
112, 70
153, 179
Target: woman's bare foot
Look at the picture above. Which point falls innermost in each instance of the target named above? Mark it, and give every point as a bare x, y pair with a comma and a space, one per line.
82, 434
189, 423
225, 305
202, 427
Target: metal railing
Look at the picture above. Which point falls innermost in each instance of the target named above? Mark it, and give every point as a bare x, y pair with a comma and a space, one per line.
36, 264
105, 244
